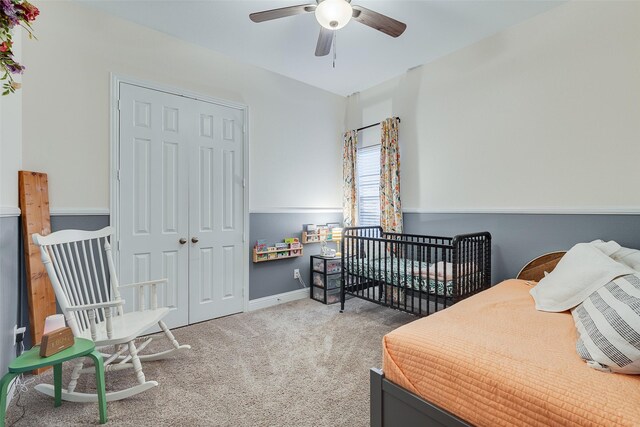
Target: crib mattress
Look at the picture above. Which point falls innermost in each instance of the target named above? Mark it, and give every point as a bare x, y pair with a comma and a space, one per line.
400, 272
493, 360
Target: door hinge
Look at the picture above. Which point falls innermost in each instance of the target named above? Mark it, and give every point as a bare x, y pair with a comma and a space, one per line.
119, 105
118, 174
118, 245
244, 183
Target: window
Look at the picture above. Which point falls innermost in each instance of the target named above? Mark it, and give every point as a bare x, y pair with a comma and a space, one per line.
368, 185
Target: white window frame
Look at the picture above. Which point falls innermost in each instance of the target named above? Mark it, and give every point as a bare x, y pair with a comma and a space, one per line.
368, 182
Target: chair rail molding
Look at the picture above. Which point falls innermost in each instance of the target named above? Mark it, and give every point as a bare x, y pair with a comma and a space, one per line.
80, 211
295, 210
9, 211
613, 210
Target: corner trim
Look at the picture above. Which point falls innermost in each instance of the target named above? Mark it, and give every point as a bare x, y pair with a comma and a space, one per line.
266, 210
531, 211
9, 211
270, 301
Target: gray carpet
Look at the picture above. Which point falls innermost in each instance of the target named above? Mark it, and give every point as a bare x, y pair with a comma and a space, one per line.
296, 364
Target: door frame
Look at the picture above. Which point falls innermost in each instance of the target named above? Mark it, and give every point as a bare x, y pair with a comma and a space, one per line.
114, 142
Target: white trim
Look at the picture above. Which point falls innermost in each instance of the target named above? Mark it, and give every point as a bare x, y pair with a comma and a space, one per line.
531, 211
247, 223
296, 210
114, 145
79, 211
114, 195
116, 79
11, 391
8, 211
270, 301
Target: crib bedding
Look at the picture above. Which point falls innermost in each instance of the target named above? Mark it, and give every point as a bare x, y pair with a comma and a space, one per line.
401, 272
493, 360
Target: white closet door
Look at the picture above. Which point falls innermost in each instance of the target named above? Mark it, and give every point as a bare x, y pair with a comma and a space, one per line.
154, 189
216, 212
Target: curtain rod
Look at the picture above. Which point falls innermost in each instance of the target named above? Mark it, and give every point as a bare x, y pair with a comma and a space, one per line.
375, 124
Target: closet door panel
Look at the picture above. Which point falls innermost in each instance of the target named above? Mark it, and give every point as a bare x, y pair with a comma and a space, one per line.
154, 197
217, 218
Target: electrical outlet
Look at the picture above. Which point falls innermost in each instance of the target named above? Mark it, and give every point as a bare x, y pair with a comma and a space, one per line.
296, 273
17, 332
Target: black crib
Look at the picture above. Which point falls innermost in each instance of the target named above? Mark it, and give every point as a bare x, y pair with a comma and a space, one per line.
413, 273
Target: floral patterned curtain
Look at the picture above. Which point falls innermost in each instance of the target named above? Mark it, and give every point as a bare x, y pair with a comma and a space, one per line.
349, 184
390, 205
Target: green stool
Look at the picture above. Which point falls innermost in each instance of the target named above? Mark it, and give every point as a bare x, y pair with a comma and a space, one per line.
31, 360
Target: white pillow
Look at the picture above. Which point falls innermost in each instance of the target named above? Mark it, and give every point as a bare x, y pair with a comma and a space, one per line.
626, 256
581, 271
608, 248
608, 324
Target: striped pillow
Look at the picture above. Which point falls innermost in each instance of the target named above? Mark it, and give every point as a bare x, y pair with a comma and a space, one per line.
608, 324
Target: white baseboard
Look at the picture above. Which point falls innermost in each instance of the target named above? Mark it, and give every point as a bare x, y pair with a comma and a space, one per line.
257, 304
11, 391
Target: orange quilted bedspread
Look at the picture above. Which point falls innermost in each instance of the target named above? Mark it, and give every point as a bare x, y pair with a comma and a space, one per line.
493, 360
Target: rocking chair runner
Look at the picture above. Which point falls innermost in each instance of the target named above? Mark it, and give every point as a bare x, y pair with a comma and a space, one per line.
89, 296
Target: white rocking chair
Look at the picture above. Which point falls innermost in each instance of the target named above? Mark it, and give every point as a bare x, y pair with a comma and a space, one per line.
89, 296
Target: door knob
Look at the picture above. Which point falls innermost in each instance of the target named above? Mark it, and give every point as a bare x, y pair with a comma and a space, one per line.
183, 241
194, 240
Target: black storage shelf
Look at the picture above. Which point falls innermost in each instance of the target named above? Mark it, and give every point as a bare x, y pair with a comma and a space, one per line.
326, 274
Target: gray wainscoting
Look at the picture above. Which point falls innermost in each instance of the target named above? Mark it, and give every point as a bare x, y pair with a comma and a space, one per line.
79, 222
275, 277
266, 279
9, 287
518, 238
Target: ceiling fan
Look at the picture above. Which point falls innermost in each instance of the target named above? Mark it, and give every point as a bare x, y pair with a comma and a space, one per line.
333, 15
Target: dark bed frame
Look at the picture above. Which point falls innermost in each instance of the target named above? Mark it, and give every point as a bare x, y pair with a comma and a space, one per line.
393, 406
373, 263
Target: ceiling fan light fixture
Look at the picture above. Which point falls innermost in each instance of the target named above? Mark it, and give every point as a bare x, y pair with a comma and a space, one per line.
334, 14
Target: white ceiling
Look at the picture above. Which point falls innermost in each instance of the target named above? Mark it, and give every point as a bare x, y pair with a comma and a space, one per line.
365, 57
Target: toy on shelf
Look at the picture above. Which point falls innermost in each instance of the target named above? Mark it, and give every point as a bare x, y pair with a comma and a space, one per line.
288, 248
329, 232
261, 245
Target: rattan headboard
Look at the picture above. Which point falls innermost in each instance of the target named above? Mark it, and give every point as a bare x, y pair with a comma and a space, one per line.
535, 269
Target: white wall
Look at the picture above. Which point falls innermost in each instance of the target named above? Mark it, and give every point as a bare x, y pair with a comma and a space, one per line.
11, 140
295, 129
544, 115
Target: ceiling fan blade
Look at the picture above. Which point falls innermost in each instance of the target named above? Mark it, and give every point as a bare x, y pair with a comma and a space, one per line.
378, 21
324, 42
268, 15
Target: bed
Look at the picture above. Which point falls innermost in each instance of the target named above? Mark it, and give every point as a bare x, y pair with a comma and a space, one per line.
493, 360
418, 274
